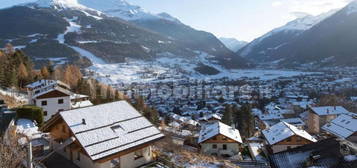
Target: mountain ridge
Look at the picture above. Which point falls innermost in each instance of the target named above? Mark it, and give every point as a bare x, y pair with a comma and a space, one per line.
76, 33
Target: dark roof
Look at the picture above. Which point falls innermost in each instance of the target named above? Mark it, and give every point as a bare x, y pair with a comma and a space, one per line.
58, 161
327, 152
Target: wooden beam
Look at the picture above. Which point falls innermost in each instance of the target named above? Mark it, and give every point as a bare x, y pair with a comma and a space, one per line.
127, 151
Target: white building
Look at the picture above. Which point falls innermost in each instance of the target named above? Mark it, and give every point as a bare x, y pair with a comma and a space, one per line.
283, 136
220, 140
51, 95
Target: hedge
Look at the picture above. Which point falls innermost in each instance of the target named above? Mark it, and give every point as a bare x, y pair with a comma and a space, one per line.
32, 113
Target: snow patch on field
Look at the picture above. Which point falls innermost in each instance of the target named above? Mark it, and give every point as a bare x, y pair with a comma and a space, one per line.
16, 95
169, 67
94, 59
26, 127
58, 60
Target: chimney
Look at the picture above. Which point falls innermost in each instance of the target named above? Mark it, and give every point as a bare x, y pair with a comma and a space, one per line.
84, 121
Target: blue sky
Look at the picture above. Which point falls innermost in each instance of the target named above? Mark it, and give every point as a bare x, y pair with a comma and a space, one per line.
241, 19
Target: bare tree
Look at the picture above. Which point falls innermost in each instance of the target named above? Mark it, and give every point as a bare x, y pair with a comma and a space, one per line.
12, 154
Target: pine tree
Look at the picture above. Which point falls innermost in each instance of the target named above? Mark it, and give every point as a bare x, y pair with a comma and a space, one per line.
246, 120
228, 115
13, 79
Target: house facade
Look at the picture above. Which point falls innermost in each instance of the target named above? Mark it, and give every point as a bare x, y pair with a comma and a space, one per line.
284, 136
319, 116
52, 96
219, 139
103, 136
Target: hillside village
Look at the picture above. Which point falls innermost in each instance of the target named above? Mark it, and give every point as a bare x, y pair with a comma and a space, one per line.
106, 84
252, 126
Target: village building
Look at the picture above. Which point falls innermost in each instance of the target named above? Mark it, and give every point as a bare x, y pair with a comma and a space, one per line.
319, 116
103, 136
344, 126
54, 96
297, 122
283, 136
326, 153
79, 101
51, 95
219, 139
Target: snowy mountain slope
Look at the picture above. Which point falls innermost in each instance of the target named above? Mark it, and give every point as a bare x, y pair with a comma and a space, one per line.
232, 43
329, 43
59, 3
260, 48
65, 31
327, 40
168, 26
123, 10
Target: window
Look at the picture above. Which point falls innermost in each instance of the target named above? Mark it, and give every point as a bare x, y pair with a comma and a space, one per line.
214, 138
288, 140
214, 146
138, 154
289, 147
78, 156
224, 147
60, 101
44, 103
45, 113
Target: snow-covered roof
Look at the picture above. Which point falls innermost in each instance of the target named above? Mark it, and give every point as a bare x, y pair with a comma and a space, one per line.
80, 104
282, 131
51, 88
109, 128
214, 116
43, 83
210, 130
293, 121
329, 110
343, 126
41, 87
78, 96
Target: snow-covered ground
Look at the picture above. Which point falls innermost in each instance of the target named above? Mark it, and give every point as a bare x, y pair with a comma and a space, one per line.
170, 69
15, 94
26, 127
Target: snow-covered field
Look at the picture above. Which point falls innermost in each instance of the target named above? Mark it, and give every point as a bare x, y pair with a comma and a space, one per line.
18, 96
170, 69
